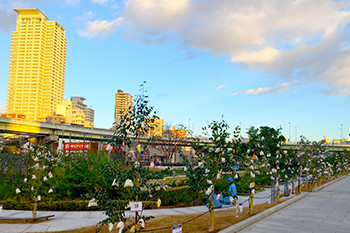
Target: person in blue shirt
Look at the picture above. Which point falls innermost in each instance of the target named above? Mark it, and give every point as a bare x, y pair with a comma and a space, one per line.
232, 191
217, 201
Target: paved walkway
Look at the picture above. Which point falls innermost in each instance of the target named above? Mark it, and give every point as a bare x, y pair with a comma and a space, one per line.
327, 210
68, 220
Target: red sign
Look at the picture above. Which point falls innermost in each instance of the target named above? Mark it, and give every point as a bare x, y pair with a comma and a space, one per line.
77, 146
113, 149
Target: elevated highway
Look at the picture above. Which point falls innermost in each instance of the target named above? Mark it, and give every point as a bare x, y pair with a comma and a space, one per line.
55, 132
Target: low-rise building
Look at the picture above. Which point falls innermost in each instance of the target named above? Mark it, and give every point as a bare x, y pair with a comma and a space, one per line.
74, 112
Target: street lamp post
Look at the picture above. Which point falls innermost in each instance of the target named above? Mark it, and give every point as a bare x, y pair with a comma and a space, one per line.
341, 131
290, 135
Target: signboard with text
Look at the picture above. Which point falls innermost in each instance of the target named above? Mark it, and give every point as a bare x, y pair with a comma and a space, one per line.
177, 229
136, 206
77, 146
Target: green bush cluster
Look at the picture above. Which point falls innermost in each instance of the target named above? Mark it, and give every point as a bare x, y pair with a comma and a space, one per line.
81, 205
171, 198
180, 197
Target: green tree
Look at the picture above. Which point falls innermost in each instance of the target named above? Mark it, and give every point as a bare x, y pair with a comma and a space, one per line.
214, 158
134, 182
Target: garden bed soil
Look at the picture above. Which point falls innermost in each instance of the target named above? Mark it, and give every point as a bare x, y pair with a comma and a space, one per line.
223, 219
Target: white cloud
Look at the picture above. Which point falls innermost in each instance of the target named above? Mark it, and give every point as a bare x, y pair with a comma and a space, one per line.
220, 87
85, 17
265, 90
72, 2
306, 40
265, 55
7, 20
115, 6
2, 109
101, 2
101, 28
158, 14
338, 92
8, 15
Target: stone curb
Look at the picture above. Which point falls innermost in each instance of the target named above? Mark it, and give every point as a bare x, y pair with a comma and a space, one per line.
327, 184
245, 223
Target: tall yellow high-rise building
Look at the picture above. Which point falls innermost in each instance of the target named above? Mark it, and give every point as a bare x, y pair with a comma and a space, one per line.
37, 65
123, 101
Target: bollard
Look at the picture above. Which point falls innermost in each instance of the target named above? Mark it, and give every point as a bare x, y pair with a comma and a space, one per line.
212, 216
35, 207
136, 220
174, 174
251, 201
278, 193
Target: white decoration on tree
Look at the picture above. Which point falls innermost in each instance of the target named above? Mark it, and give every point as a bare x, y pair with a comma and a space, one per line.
92, 202
252, 175
142, 223
110, 226
128, 183
209, 190
120, 226
114, 183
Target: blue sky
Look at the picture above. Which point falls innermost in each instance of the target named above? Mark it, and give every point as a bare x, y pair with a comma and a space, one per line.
253, 62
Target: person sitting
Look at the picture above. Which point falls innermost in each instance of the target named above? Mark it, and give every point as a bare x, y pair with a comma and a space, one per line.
231, 199
217, 198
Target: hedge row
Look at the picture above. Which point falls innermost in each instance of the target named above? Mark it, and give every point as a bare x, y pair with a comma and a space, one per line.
61, 205
176, 197
49, 206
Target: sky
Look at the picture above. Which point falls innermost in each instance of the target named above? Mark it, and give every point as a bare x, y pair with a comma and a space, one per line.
250, 62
